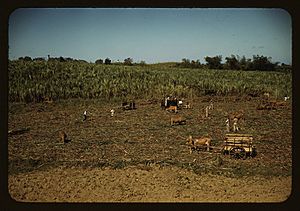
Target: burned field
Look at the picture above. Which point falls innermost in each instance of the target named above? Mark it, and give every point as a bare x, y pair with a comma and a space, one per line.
143, 138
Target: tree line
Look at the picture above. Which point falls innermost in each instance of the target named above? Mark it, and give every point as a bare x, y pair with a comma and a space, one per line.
51, 59
258, 62
127, 61
234, 62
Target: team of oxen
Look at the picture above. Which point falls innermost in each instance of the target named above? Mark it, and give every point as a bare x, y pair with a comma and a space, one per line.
172, 104
232, 122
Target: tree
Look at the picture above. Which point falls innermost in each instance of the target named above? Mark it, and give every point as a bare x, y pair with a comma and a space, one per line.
185, 62
26, 58
128, 61
107, 61
195, 64
232, 63
245, 64
263, 63
62, 59
99, 61
214, 62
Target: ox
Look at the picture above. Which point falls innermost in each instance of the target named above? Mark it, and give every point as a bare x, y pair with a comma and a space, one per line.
172, 108
177, 119
197, 143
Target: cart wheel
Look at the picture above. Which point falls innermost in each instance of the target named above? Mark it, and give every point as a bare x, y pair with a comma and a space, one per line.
238, 153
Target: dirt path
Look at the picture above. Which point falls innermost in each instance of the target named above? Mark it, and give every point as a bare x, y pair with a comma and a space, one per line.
152, 184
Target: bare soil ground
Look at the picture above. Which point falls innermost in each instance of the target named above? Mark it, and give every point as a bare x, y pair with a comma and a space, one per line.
137, 156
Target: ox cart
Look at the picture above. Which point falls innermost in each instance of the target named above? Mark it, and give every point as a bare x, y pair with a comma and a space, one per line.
239, 145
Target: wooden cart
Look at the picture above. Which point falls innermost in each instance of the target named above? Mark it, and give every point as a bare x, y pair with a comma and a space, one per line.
239, 145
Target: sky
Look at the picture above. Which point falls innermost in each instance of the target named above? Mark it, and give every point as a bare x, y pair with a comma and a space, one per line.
151, 35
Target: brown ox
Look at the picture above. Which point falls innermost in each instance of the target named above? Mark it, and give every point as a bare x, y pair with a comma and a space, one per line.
177, 119
197, 143
172, 108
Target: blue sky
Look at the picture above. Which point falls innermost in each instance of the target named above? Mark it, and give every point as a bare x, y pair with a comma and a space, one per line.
152, 35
